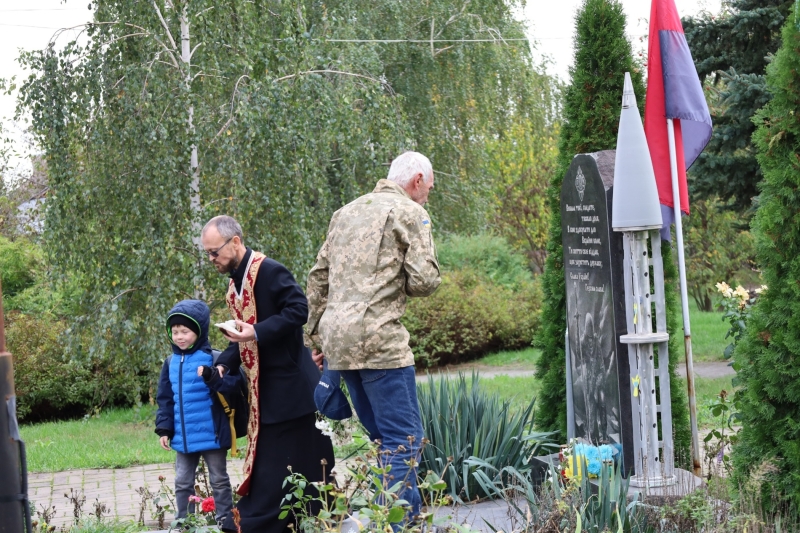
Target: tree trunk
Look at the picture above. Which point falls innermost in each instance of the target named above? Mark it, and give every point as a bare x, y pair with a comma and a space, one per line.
194, 184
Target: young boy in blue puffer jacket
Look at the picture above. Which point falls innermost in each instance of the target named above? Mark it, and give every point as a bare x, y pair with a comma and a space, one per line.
190, 419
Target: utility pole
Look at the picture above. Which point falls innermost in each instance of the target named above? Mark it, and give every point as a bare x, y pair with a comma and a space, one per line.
15, 514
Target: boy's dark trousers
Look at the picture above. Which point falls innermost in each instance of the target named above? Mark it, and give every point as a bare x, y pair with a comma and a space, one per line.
185, 467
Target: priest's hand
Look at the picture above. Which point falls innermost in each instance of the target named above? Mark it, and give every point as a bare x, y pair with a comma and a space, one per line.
246, 332
317, 357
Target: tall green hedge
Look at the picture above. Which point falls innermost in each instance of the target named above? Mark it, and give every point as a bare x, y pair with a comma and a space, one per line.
592, 104
768, 357
681, 429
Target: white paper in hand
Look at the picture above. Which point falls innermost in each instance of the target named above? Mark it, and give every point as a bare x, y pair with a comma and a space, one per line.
229, 325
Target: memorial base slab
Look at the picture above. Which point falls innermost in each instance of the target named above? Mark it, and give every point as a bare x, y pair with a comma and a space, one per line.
684, 483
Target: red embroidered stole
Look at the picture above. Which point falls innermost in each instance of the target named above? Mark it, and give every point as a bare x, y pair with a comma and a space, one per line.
243, 307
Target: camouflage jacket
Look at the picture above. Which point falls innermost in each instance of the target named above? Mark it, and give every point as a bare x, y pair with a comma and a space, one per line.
379, 251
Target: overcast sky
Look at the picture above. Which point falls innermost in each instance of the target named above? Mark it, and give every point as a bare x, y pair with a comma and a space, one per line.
551, 24
32, 23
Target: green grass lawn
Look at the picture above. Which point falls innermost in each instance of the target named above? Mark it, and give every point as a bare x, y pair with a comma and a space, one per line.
707, 394
708, 334
116, 438
518, 389
519, 358
521, 389
708, 342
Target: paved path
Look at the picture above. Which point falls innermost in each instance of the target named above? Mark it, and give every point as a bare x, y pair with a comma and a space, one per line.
120, 490
116, 488
704, 370
708, 370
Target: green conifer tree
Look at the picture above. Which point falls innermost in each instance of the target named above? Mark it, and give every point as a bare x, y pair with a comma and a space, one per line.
768, 358
592, 104
734, 49
681, 429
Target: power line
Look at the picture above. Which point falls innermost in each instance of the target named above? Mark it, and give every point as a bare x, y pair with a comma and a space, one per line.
40, 9
424, 41
26, 26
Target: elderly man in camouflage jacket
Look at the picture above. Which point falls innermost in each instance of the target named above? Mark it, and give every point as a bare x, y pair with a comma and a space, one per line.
379, 251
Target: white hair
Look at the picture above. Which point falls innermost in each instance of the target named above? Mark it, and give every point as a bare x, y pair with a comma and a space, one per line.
407, 165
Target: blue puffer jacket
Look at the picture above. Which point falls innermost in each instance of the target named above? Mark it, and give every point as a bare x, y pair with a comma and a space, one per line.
188, 412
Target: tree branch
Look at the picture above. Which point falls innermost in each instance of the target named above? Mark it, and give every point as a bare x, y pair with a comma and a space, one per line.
164, 46
453, 18
117, 297
440, 50
191, 54
115, 39
326, 71
164, 24
203, 11
212, 202
233, 98
149, 70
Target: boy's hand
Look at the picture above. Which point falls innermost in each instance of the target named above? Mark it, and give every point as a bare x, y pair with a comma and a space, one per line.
164, 441
205, 372
246, 332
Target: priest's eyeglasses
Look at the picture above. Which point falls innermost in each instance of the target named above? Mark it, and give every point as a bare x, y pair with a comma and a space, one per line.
215, 253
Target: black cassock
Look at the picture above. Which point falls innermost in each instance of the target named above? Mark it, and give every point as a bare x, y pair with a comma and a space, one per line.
287, 435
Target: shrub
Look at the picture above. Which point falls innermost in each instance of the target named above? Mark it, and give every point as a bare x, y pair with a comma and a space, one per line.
488, 256
470, 316
488, 301
727, 255
46, 297
27, 285
49, 386
469, 429
19, 262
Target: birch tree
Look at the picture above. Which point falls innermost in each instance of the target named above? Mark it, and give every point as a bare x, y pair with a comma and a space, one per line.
174, 112
277, 113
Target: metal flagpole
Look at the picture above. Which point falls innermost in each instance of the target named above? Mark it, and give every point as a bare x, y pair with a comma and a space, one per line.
687, 334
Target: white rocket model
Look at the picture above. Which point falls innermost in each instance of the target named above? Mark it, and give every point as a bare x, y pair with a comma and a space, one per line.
635, 206
637, 214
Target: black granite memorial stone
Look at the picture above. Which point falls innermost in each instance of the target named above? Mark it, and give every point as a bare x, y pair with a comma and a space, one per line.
595, 305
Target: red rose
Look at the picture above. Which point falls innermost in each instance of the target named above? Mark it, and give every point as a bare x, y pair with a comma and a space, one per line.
208, 505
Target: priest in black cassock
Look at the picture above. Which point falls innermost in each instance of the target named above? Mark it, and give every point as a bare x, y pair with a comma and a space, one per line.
270, 310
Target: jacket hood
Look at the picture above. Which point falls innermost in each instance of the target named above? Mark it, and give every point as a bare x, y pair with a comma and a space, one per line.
385, 186
195, 310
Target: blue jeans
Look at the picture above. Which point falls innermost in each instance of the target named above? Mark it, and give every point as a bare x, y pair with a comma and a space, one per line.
386, 402
185, 467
